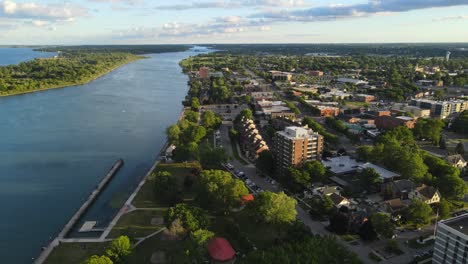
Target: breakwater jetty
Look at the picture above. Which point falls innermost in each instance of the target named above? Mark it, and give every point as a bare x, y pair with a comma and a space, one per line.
80, 212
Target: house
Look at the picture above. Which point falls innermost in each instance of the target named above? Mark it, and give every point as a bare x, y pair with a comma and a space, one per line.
397, 189
221, 251
395, 205
424, 193
456, 161
339, 200
326, 190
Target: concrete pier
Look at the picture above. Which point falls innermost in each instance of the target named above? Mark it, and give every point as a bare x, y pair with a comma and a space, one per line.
80, 212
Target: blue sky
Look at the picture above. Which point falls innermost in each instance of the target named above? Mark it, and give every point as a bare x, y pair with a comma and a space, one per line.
231, 21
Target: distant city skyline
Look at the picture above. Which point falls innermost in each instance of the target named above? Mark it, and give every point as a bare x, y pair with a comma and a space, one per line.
29, 22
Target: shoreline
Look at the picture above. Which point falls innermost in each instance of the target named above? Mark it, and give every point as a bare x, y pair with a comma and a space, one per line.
83, 82
44, 255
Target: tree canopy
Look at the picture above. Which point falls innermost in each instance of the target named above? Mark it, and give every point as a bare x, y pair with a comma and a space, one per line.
383, 225
275, 208
119, 248
309, 250
192, 218
98, 260
418, 213
219, 188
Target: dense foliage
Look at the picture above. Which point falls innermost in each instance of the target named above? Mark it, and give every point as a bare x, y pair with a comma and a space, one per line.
135, 49
275, 208
310, 250
68, 69
218, 188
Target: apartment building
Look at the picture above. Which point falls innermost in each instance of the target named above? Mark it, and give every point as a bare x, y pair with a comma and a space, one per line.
441, 109
451, 243
295, 145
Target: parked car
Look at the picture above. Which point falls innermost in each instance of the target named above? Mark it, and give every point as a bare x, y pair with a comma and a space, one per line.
229, 166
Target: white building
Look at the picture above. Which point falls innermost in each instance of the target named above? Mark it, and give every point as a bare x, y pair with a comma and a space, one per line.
451, 243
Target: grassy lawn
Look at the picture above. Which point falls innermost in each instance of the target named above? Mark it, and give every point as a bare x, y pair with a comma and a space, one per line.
75, 253
137, 224
174, 251
146, 197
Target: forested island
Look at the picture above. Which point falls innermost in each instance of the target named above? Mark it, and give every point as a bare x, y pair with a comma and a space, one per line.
134, 49
66, 69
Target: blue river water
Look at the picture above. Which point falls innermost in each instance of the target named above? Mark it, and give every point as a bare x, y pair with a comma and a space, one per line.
10, 56
56, 145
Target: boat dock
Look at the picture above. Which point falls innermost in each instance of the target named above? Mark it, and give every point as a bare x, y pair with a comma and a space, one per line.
80, 212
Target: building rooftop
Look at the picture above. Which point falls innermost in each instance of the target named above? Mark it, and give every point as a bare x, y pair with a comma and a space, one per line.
406, 118
295, 132
384, 173
342, 164
459, 223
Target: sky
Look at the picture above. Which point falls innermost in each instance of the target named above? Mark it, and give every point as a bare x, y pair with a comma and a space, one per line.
68, 22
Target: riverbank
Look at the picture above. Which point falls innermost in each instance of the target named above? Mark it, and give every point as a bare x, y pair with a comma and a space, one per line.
77, 83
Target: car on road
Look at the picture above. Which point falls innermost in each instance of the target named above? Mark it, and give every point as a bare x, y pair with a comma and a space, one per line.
229, 166
240, 174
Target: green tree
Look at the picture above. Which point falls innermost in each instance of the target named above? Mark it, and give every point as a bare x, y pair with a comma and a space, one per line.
444, 209
382, 225
364, 153
210, 119
192, 218
201, 237
247, 113
439, 94
211, 158
173, 133
119, 248
191, 116
221, 189
166, 186
316, 171
300, 177
195, 104
275, 208
418, 213
265, 162
98, 260
309, 250
369, 177
460, 148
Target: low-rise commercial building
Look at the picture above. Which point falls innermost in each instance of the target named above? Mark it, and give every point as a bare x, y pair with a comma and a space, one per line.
389, 122
451, 243
441, 109
295, 146
280, 76
414, 110
365, 98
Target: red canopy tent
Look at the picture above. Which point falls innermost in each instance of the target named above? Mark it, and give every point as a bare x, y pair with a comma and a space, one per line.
220, 250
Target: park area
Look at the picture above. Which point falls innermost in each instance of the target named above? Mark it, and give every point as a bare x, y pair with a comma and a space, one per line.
180, 208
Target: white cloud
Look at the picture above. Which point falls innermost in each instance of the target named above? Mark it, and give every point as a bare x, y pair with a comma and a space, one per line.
450, 18
32, 10
234, 4
372, 7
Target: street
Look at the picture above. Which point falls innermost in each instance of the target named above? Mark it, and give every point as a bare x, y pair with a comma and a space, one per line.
316, 227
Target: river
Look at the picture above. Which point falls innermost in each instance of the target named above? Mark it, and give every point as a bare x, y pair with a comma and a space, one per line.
56, 145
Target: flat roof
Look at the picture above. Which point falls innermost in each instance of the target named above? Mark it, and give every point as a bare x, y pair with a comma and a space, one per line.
459, 223
384, 173
342, 164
